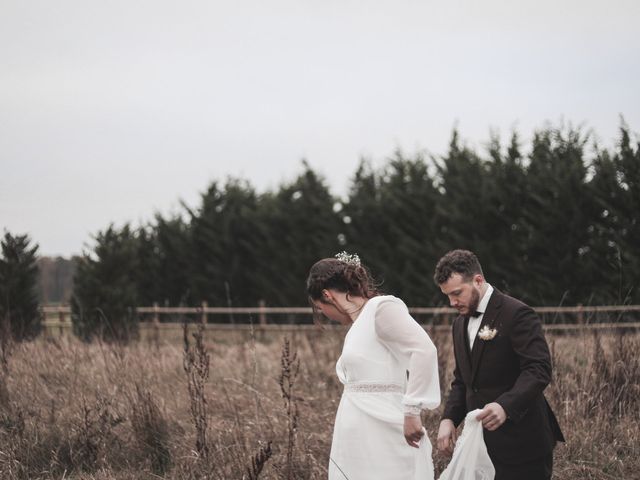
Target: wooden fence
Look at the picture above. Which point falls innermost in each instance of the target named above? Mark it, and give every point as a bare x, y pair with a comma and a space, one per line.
585, 317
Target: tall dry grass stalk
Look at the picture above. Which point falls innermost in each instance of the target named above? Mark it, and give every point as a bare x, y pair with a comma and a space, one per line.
290, 367
6, 343
196, 365
258, 462
77, 411
151, 431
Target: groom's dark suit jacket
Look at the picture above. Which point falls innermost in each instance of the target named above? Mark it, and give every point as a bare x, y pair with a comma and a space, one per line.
512, 369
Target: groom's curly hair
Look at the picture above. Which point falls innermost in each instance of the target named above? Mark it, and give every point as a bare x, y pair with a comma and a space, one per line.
458, 261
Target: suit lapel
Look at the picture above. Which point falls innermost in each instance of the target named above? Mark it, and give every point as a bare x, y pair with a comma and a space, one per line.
462, 345
489, 318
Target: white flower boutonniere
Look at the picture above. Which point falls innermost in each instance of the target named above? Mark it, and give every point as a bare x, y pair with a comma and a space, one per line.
487, 333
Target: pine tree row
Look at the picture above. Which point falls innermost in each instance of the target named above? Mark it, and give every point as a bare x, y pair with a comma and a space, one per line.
556, 226
559, 224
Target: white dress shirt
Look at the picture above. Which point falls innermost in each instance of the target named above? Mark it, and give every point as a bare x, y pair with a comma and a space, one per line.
474, 322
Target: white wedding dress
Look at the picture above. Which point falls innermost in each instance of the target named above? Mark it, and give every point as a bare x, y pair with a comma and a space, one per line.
470, 459
382, 345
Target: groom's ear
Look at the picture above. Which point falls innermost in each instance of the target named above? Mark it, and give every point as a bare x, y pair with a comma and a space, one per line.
478, 279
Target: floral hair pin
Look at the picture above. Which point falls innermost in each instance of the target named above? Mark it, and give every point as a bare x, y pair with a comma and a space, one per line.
348, 259
487, 333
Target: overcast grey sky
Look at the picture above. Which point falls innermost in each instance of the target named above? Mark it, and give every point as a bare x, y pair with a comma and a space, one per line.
111, 110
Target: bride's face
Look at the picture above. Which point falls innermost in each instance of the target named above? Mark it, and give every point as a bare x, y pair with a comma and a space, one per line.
330, 308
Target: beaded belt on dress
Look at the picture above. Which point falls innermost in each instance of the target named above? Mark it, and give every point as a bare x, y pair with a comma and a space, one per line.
364, 387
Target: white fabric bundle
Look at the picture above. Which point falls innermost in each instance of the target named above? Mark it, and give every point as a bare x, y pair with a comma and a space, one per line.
470, 459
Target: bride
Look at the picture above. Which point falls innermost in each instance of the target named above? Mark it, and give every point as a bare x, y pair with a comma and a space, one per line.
389, 369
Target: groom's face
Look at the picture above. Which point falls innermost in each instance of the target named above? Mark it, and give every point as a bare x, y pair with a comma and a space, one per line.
464, 295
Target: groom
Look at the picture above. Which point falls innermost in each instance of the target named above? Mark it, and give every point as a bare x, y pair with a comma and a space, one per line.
502, 367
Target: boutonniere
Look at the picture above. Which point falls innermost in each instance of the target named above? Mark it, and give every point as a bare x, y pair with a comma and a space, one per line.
487, 333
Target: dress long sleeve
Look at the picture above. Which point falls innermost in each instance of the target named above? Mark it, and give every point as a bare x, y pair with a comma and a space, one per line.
408, 341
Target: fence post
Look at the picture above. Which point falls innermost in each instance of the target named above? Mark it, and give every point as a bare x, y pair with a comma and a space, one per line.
262, 315
155, 323
61, 320
204, 318
156, 313
580, 315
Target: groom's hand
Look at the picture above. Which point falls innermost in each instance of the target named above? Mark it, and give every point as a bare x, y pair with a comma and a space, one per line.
446, 436
492, 416
413, 430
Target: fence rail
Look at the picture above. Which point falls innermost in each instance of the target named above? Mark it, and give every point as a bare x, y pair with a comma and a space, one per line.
59, 316
66, 310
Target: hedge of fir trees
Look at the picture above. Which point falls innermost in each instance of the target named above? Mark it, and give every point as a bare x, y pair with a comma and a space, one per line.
557, 225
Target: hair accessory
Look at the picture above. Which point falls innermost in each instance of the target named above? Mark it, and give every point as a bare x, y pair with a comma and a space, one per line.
348, 259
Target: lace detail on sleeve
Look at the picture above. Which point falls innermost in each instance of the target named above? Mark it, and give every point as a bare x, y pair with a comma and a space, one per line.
412, 410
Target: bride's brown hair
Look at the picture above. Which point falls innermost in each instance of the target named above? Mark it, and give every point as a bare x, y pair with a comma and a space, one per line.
347, 277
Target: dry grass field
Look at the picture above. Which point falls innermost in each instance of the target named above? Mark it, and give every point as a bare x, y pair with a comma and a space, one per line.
231, 408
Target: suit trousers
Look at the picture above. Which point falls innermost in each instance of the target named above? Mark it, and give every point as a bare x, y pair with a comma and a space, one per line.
539, 469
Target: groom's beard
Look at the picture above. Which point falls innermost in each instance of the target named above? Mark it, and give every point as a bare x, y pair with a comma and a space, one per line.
473, 303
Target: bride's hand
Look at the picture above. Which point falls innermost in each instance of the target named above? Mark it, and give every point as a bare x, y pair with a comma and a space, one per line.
413, 430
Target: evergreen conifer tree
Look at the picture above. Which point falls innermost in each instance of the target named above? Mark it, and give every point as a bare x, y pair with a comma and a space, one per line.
300, 227
556, 218
504, 246
106, 288
226, 241
18, 288
173, 265
627, 216
394, 228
